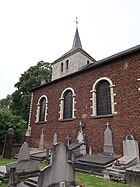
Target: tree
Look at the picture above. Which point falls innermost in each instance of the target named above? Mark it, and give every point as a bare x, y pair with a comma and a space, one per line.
7, 120
6, 102
29, 79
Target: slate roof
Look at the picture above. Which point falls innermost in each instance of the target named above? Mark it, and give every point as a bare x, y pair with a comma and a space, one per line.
77, 41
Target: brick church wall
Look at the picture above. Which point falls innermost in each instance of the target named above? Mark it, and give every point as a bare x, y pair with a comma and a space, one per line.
124, 73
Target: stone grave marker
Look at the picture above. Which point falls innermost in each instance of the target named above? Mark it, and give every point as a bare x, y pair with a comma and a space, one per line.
24, 165
41, 142
59, 171
130, 158
68, 138
28, 133
80, 136
13, 178
130, 147
108, 145
55, 141
7, 149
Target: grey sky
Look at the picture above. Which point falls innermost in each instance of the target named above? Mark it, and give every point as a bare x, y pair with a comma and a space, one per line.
34, 30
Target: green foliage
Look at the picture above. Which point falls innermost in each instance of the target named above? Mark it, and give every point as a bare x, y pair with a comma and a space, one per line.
29, 79
8, 120
6, 102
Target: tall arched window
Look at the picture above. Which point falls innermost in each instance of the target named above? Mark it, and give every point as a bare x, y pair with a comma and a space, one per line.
67, 104
41, 109
103, 98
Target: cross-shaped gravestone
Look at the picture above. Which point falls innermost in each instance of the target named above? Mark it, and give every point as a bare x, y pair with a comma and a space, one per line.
80, 126
108, 145
80, 136
107, 125
68, 138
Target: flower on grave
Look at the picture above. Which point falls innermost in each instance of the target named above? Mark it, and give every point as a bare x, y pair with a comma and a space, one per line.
117, 163
81, 185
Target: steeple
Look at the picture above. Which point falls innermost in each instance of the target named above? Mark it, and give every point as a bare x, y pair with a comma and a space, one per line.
77, 41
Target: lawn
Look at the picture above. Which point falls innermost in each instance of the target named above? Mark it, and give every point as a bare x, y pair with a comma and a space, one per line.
86, 180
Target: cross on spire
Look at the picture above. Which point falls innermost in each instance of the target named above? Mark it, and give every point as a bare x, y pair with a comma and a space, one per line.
76, 22
77, 41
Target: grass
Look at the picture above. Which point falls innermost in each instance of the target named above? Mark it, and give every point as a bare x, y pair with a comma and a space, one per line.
86, 180
4, 161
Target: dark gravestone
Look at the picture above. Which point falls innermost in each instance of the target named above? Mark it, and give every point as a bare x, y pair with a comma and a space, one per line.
13, 179
7, 150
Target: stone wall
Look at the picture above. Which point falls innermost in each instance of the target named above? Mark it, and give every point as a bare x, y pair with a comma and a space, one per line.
125, 75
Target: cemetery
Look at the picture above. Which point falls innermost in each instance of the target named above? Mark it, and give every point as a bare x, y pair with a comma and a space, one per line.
64, 160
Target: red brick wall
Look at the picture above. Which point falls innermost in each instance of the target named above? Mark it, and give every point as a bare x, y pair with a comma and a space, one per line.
124, 73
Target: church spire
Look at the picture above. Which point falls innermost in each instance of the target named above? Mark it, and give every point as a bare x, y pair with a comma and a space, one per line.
77, 41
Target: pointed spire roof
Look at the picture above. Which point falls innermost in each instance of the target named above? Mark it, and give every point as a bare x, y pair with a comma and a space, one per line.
77, 41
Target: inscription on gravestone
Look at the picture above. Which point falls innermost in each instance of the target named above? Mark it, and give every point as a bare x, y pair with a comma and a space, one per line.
7, 150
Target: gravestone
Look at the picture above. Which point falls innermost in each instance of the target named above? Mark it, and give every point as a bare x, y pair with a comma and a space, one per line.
55, 139
13, 178
28, 133
68, 138
59, 171
108, 145
41, 142
80, 136
90, 150
7, 149
78, 148
130, 158
24, 165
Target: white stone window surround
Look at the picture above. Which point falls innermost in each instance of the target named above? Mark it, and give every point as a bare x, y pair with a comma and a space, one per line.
93, 99
38, 109
62, 104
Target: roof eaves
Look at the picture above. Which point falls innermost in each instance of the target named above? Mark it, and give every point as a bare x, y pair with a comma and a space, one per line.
93, 65
73, 51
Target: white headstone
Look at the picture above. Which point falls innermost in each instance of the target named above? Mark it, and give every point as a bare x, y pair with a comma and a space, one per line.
55, 139
41, 143
130, 147
108, 145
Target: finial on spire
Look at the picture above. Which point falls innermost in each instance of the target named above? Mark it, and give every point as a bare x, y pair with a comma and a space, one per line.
77, 41
76, 22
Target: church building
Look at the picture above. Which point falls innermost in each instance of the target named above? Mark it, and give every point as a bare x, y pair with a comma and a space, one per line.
94, 92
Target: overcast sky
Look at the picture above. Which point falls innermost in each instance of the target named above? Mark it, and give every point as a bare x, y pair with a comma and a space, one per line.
34, 30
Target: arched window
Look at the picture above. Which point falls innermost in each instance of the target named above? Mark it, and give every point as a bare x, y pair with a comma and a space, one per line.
41, 109
67, 104
103, 97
